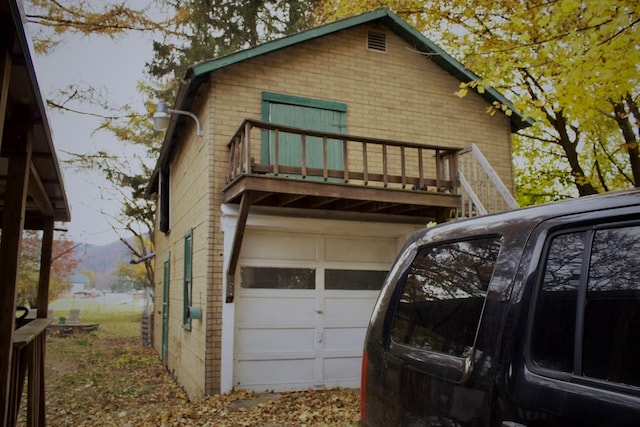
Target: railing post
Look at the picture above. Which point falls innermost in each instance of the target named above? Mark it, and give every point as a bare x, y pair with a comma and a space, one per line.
247, 147
403, 167
303, 142
231, 164
385, 177
345, 161
325, 161
439, 170
365, 165
420, 169
453, 172
276, 151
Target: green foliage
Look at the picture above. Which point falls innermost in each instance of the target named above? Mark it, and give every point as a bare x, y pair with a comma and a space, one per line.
572, 65
62, 266
130, 276
56, 19
204, 30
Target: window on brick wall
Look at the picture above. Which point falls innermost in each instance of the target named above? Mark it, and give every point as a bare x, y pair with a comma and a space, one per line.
165, 201
188, 279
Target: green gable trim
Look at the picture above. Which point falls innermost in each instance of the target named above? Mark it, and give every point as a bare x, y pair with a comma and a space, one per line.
383, 16
299, 100
273, 45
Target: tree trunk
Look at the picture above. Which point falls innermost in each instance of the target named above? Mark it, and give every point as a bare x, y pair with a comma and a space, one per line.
621, 116
581, 181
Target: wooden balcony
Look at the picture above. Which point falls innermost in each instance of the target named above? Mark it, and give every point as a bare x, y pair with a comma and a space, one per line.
379, 179
308, 173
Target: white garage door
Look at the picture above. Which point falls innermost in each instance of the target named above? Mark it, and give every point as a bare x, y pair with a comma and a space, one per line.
303, 305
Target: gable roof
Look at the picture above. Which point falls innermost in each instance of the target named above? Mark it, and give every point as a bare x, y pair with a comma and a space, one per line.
383, 15
199, 73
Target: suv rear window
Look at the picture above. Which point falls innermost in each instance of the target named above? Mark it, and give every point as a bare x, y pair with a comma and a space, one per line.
587, 318
442, 297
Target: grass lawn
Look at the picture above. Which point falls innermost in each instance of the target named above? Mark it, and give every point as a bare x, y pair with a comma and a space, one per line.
117, 315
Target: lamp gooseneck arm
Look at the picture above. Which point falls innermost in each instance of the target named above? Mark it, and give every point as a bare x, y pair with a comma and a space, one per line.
190, 114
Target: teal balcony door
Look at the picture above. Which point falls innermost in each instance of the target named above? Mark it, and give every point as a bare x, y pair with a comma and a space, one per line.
304, 113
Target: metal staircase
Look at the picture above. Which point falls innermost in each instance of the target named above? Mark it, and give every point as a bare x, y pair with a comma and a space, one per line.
482, 190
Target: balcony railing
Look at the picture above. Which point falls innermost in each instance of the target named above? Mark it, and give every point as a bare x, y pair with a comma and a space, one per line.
367, 162
27, 363
482, 190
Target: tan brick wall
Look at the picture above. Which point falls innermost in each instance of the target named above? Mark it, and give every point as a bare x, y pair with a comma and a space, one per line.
189, 204
398, 95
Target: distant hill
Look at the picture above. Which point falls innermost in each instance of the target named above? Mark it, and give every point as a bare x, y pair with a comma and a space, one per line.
102, 260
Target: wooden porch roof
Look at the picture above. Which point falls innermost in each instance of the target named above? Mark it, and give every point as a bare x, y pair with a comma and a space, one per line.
22, 115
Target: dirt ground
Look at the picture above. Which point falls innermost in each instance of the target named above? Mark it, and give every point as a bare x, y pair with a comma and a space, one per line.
96, 380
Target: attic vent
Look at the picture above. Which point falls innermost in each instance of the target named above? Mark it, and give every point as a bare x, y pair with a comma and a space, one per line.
377, 41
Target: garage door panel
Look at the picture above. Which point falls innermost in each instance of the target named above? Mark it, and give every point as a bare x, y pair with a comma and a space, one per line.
283, 246
274, 310
342, 370
348, 309
350, 339
268, 374
360, 250
281, 340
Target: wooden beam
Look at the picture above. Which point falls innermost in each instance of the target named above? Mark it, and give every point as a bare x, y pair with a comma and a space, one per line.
6, 43
18, 143
238, 236
38, 193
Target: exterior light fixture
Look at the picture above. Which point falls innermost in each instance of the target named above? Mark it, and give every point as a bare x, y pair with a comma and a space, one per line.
163, 113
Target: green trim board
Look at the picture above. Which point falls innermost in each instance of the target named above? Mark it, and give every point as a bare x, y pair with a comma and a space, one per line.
282, 98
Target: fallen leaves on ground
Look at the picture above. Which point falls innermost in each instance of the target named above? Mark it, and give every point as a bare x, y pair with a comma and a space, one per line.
115, 381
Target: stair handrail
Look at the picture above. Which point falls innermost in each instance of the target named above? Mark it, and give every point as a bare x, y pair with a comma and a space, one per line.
481, 185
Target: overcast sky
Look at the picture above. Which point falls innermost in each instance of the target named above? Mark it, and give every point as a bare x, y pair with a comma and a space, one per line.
114, 67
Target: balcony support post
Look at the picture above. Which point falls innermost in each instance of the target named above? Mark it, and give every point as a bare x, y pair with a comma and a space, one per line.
238, 236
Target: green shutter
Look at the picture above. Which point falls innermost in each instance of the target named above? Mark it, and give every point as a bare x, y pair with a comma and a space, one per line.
187, 282
304, 113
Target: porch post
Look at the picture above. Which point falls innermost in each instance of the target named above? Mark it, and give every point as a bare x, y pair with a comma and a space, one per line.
17, 145
45, 268
36, 375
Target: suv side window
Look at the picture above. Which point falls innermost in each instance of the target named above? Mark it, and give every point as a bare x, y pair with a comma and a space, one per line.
442, 297
587, 317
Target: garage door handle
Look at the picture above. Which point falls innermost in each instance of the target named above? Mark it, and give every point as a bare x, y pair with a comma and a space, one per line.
318, 311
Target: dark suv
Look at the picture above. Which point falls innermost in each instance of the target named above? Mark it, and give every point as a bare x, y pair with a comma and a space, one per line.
524, 318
